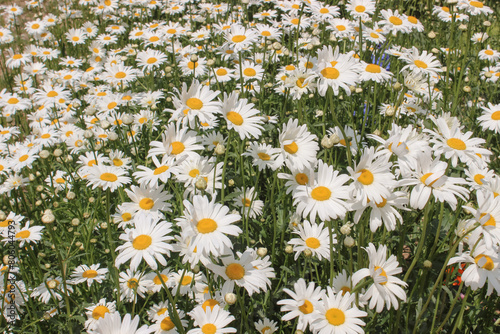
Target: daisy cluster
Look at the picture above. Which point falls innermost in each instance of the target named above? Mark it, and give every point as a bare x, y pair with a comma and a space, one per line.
266, 166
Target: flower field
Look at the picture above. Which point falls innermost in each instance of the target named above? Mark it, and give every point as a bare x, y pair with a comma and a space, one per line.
255, 166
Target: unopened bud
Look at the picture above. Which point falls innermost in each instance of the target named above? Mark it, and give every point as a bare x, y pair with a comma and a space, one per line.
467, 89
431, 35
262, 251
427, 264
201, 183
397, 86
289, 249
127, 119
220, 149
44, 154
327, 142
230, 298
349, 242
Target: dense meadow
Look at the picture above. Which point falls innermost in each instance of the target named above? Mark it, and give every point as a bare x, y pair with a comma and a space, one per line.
256, 166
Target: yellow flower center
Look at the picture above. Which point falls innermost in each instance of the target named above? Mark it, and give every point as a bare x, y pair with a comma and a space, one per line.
456, 144
89, 273
194, 103
345, 289
132, 283
335, 316
372, 68
177, 147
157, 280
208, 329
330, 73
246, 202
321, 193
395, 20
108, 177
171, 31
238, 38
420, 64
476, 4
264, 156
424, 178
413, 19
312, 242
23, 234
324, 11
52, 93
75, 38
235, 271
99, 312
301, 178
360, 9
291, 148
167, 324
295, 21
5, 223
120, 75
206, 225
12, 100
478, 178
383, 273
249, 72
366, 177
488, 52
307, 307
142, 242
485, 262
265, 33
209, 303
234, 117
186, 280
490, 222
300, 82
146, 203
160, 170
117, 162
154, 39
496, 115
221, 71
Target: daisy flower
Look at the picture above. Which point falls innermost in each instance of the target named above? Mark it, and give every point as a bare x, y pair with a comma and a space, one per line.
361, 8
324, 196
266, 326
84, 273
484, 265
424, 63
239, 38
264, 155
250, 71
394, 22
147, 240
224, 74
313, 237
374, 72
296, 178
112, 323
186, 282
119, 73
51, 288
210, 223
133, 284
157, 284
98, 311
488, 216
213, 321
355, 138
340, 73
372, 177
455, 145
24, 234
178, 142
165, 325
241, 116
298, 146
164, 170
242, 272
250, 205
489, 54
490, 118
474, 7
304, 303
337, 315
386, 288
106, 177
76, 36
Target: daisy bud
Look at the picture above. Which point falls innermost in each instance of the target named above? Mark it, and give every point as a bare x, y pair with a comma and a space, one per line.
333, 38
451, 2
105, 124
127, 119
44, 154
75, 221
123, 58
444, 69
289, 249
81, 247
43, 196
93, 240
69, 158
38, 203
307, 252
431, 35
335, 138
70, 195
319, 113
276, 46
310, 47
286, 53
104, 226
194, 58
462, 27
298, 331
487, 23
352, 89
397, 86
58, 152
466, 79
107, 251
86, 215
2, 215
210, 62
230, 298
389, 111
326, 142
169, 99
427, 264
88, 134
377, 132
220, 149
467, 89
46, 316
349, 242
201, 183
230, 182
6, 259
90, 111
78, 244
434, 50
31, 177
311, 96
97, 147
262, 251
196, 269
346, 229
488, 74
359, 90
112, 136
